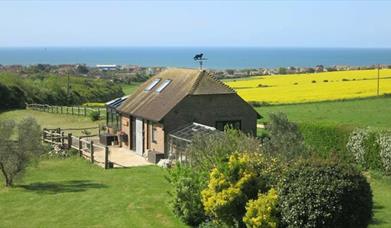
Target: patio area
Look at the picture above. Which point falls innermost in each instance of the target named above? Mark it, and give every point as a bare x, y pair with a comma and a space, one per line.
120, 157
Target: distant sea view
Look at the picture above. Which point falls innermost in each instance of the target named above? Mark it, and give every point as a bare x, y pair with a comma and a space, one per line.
218, 58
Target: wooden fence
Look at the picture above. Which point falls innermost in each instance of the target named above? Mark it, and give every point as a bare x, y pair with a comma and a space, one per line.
85, 146
71, 110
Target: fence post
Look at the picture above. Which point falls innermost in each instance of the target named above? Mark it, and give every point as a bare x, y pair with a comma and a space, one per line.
44, 135
72, 110
92, 151
80, 147
61, 109
51, 136
69, 140
106, 157
62, 139
85, 111
78, 110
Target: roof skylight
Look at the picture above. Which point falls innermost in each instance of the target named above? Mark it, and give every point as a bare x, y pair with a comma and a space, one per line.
152, 84
163, 85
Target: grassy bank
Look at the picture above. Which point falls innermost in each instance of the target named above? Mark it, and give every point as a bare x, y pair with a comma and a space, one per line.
74, 193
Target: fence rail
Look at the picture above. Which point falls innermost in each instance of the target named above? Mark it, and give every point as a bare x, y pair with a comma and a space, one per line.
71, 110
83, 144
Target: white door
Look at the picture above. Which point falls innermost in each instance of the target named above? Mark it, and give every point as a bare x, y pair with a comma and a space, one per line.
139, 136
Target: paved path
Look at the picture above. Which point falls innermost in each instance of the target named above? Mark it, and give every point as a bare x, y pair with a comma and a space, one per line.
121, 157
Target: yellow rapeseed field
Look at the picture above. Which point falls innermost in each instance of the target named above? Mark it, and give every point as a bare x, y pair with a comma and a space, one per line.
299, 88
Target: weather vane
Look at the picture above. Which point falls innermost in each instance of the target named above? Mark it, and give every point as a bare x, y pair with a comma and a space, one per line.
200, 59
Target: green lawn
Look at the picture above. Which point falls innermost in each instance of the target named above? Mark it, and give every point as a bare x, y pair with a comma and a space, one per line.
50, 120
129, 89
74, 193
381, 188
374, 112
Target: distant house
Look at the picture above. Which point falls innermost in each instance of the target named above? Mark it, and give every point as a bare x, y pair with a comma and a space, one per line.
171, 101
107, 67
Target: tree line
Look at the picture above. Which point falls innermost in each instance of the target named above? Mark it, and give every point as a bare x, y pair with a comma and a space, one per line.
16, 90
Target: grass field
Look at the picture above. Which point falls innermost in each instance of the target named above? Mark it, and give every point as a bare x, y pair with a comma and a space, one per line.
373, 112
129, 89
75, 193
300, 88
50, 120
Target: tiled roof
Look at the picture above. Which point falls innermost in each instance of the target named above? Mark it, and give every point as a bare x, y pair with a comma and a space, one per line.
154, 106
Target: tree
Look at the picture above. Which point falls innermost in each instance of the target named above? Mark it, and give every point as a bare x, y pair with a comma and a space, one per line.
17, 152
282, 70
82, 69
284, 139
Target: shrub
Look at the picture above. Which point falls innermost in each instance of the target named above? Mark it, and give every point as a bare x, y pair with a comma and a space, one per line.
356, 145
325, 195
186, 200
284, 138
385, 151
232, 184
209, 150
95, 115
365, 149
262, 212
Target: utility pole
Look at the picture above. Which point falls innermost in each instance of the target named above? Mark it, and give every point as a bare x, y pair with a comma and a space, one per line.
378, 79
68, 90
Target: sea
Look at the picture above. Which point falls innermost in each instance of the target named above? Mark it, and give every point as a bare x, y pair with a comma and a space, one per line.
216, 57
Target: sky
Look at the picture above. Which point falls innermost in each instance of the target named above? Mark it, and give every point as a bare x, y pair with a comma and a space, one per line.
364, 24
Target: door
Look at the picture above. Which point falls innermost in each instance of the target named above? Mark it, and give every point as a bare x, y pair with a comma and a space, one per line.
139, 136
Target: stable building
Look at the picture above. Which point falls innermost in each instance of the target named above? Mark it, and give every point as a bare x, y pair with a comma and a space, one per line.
172, 101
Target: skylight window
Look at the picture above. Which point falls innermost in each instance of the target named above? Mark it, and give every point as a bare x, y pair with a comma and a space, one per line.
163, 85
153, 84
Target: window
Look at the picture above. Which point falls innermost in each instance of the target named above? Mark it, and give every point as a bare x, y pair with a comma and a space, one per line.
163, 85
154, 134
236, 124
152, 84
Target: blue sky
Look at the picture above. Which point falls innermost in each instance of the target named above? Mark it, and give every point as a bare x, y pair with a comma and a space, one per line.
191, 23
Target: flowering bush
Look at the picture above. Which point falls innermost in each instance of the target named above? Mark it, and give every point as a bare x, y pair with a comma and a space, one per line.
356, 145
229, 189
262, 212
233, 184
385, 151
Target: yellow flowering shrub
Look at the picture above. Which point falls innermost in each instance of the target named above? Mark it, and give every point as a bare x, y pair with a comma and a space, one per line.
262, 211
229, 189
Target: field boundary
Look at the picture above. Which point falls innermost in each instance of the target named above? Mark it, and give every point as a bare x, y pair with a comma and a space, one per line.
69, 110
83, 144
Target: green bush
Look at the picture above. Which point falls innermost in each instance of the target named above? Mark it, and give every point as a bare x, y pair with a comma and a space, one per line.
364, 146
94, 115
385, 151
284, 138
324, 195
186, 199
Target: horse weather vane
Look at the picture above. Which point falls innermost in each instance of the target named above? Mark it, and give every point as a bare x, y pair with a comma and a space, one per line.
200, 59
